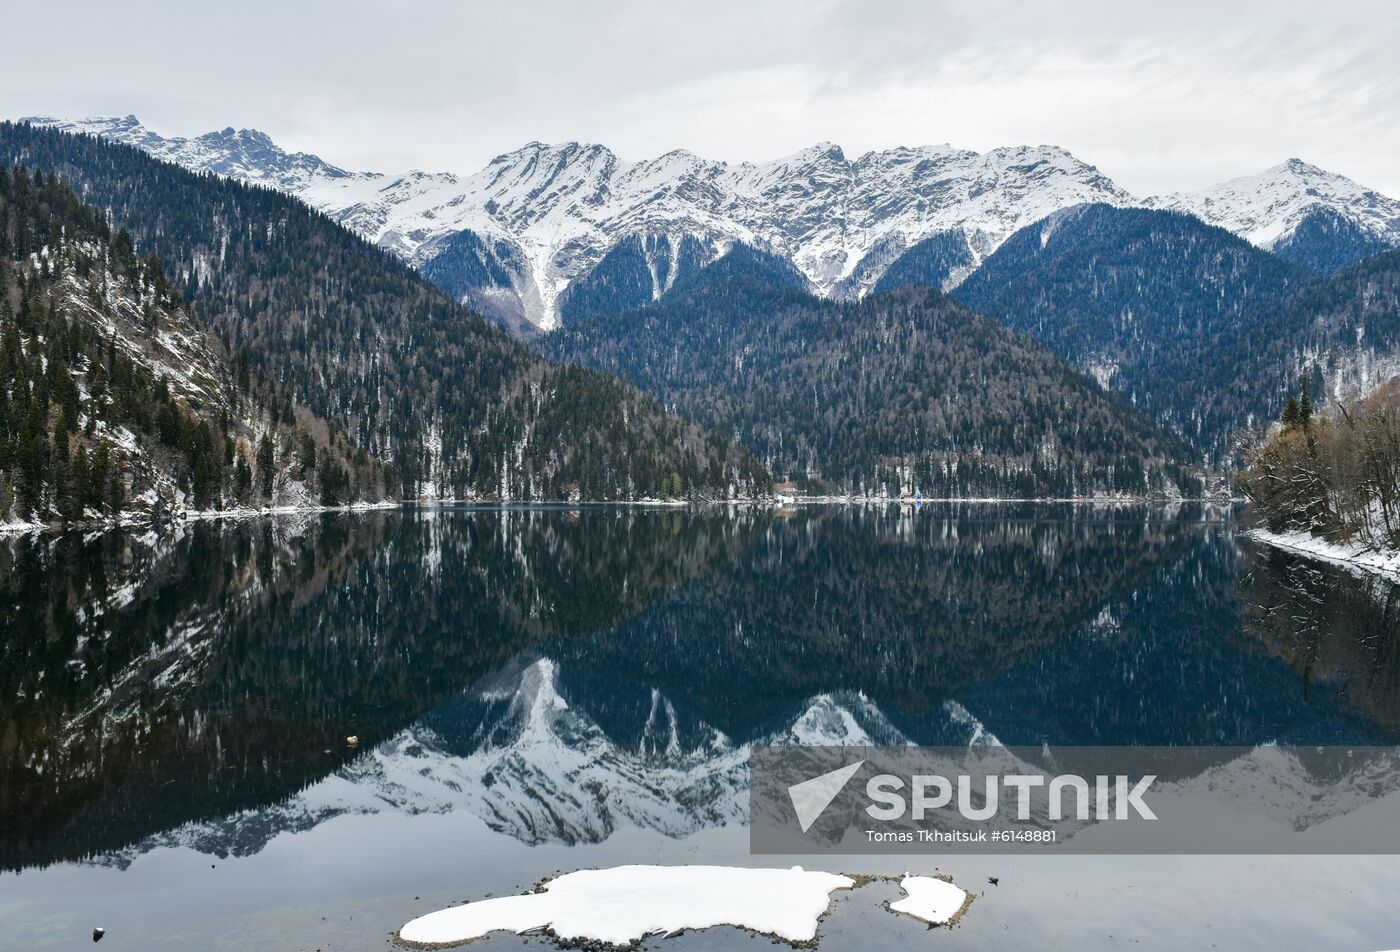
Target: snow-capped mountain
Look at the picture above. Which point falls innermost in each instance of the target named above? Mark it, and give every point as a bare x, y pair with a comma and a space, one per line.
1273, 207
544, 215
1263, 208
511, 239
245, 154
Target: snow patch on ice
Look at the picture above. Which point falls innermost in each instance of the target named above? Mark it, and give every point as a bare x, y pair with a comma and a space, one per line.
628, 903
930, 899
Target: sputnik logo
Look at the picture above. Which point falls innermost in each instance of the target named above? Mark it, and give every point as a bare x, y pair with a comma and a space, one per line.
810, 798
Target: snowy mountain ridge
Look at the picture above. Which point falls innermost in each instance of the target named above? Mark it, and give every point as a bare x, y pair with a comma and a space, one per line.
245, 154
1264, 208
542, 216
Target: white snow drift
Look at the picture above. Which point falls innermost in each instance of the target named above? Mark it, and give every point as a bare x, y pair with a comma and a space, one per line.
930, 899
1357, 555
625, 903
628, 902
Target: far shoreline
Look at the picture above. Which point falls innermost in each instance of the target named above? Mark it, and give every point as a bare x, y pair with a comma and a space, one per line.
136, 521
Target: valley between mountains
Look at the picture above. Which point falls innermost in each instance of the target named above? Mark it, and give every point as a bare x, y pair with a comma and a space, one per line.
566, 325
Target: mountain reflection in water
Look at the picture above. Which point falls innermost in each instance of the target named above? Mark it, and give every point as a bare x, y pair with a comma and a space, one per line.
562, 674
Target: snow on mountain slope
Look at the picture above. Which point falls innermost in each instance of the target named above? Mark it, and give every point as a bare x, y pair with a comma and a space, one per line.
245, 154
555, 210
564, 206
1267, 207
510, 239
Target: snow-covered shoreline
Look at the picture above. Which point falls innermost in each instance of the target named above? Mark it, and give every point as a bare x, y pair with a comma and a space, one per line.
1354, 555
128, 520
932, 899
136, 520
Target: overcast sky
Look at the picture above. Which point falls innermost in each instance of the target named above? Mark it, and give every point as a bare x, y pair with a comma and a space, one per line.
1160, 96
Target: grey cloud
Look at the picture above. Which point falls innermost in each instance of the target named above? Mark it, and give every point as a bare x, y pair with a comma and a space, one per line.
1159, 96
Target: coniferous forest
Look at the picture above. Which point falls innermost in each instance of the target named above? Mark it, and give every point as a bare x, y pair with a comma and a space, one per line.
906, 393
1158, 304
116, 398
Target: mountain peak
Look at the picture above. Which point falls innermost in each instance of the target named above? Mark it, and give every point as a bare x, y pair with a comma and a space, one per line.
1295, 168
248, 154
108, 126
1267, 206
816, 152
1057, 156
555, 210
229, 134
552, 152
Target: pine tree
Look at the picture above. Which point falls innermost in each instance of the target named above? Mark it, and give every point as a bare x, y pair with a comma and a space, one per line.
97, 476
242, 479
80, 488
308, 456
34, 457
265, 464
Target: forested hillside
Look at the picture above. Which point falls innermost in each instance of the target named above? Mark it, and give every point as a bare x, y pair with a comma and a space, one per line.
357, 338
904, 393
937, 261
1341, 335
482, 275
636, 271
113, 399
1157, 305
1326, 241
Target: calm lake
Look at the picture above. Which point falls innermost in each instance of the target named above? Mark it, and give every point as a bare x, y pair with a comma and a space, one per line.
542, 689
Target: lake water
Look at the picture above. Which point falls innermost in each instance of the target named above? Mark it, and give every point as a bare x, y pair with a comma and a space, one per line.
538, 690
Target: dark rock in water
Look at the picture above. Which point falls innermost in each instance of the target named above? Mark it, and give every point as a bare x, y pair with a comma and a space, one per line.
97, 934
